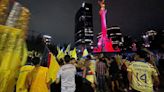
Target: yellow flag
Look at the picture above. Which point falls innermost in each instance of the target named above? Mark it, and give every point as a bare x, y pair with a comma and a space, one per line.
58, 49
53, 68
90, 78
85, 53
73, 53
12, 53
16, 58
14, 65
7, 75
9, 41
8, 52
60, 55
24, 54
6, 34
68, 49
2, 44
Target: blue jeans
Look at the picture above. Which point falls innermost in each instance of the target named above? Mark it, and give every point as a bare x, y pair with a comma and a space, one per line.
101, 82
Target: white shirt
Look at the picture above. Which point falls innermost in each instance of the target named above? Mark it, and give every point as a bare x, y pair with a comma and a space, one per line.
67, 73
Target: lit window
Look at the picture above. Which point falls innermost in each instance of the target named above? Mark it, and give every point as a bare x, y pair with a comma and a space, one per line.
87, 8
85, 29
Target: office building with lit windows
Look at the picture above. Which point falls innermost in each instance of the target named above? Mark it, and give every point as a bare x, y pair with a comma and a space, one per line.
84, 27
116, 35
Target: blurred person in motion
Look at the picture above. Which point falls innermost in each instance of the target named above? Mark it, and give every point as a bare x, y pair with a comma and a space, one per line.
141, 74
114, 73
79, 75
124, 73
67, 76
152, 59
38, 79
101, 71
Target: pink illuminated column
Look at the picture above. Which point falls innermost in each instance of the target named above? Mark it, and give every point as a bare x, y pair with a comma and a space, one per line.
104, 44
103, 19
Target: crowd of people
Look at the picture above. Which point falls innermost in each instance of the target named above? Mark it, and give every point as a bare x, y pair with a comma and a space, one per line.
93, 73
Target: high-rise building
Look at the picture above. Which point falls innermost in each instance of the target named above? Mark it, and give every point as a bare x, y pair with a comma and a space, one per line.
84, 27
151, 34
116, 35
148, 37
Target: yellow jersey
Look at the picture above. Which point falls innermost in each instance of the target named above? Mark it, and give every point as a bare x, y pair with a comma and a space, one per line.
38, 79
142, 76
21, 82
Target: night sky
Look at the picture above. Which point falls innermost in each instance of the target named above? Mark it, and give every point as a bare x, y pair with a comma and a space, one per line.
56, 17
